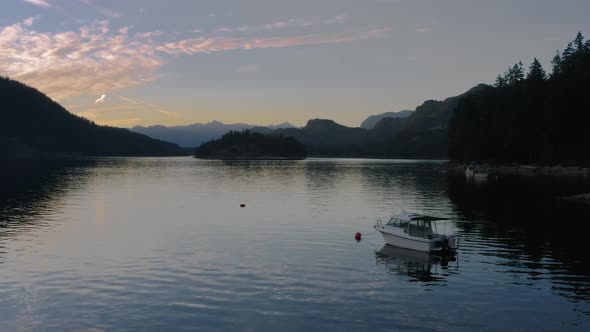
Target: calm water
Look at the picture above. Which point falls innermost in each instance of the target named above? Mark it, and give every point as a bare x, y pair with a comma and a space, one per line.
162, 244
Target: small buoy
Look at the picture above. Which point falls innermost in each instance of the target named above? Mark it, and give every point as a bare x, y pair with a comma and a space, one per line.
242, 205
357, 236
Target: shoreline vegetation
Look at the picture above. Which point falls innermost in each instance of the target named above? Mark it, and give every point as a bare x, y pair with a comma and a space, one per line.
248, 145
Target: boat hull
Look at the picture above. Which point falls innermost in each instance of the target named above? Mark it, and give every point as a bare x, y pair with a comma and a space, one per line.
398, 237
408, 243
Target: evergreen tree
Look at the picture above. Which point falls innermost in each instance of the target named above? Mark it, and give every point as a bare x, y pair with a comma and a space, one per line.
500, 82
536, 71
579, 42
518, 72
556, 63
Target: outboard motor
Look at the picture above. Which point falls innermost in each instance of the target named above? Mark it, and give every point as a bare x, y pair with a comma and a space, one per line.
445, 244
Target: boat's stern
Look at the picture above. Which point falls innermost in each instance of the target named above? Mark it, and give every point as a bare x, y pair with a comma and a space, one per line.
445, 244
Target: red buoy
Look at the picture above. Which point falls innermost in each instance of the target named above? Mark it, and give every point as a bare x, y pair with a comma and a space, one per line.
357, 236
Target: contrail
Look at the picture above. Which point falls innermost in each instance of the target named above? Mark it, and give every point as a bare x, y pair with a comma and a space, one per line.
101, 99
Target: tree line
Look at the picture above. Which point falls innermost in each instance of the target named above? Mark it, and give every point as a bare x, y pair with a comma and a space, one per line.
251, 145
529, 116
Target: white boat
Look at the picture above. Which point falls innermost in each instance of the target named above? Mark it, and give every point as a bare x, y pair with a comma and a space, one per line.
415, 231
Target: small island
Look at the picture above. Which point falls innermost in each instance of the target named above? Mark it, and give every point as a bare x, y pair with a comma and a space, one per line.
248, 145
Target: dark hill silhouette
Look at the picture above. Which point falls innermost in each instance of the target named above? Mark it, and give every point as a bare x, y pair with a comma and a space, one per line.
372, 120
250, 145
34, 126
423, 134
328, 138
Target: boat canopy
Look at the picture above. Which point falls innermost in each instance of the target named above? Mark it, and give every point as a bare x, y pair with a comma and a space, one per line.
417, 217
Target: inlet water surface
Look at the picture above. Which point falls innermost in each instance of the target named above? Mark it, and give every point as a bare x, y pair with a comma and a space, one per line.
158, 244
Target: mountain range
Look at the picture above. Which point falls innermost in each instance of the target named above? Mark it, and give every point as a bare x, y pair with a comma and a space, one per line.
422, 133
194, 134
33, 125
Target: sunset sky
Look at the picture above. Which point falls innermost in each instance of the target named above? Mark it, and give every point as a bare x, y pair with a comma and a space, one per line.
148, 62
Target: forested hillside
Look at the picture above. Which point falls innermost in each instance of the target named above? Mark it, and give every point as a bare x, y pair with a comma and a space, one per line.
529, 116
34, 126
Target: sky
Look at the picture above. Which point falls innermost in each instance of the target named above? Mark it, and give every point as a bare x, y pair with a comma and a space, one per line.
177, 62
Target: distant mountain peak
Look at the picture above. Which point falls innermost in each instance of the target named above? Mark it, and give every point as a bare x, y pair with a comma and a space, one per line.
281, 125
372, 120
215, 123
320, 122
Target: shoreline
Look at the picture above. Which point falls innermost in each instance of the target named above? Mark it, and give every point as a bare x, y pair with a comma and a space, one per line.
528, 170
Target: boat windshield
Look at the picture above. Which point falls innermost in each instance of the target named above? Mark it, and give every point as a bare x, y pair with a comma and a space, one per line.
398, 223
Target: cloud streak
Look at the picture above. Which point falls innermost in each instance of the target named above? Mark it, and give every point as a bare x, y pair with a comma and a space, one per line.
150, 106
40, 3
219, 44
96, 58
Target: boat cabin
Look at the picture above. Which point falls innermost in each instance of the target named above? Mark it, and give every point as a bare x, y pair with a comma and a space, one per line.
416, 225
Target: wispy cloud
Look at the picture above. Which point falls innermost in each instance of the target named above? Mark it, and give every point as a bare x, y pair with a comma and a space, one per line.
151, 106
40, 3
29, 21
103, 10
225, 29
218, 44
101, 99
66, 64
96, 58
305, 22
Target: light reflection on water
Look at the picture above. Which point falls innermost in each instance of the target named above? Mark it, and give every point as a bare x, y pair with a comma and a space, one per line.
161, 243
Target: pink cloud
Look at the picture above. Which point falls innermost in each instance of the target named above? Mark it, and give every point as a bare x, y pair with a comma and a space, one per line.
296, 22
29, 21
40, 3
66, 64
95, 59
218, 44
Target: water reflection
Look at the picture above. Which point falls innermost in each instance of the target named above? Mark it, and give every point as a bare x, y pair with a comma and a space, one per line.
161, 243
30, 189
520, 223
419, 266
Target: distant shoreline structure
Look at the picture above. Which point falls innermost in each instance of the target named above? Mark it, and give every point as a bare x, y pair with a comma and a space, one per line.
527, 170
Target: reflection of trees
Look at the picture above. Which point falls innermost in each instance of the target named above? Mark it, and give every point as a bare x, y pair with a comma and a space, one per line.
531, 226
29, 190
